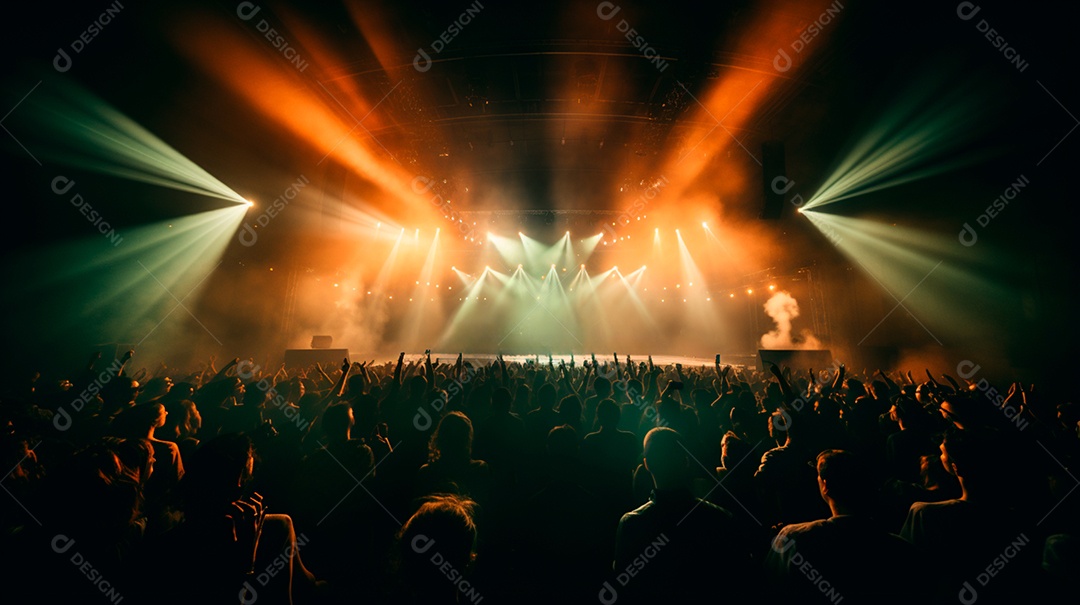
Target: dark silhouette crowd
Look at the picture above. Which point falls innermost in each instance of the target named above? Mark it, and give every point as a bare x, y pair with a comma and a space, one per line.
434, 481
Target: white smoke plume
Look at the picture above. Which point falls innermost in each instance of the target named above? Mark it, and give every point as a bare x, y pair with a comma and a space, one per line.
783, 308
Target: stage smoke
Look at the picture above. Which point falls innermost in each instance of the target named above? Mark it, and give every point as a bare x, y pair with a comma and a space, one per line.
783, 308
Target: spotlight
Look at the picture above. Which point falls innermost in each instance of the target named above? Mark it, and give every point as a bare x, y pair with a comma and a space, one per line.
749, 291
772, 287
704, 224
582, 267
249, 203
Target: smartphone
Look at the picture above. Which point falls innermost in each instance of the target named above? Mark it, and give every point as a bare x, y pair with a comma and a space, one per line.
717, 359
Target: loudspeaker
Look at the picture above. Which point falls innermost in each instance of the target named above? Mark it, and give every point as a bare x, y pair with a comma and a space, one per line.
796, 359
321, 341
775, 179
305, 358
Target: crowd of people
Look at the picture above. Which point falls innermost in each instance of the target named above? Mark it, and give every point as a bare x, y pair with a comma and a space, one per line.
434, 481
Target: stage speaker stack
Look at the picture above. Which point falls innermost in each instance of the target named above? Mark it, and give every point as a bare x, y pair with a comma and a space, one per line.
319, 353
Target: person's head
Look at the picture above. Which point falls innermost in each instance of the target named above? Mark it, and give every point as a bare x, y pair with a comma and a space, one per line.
843, 479
666, 457
570, 410
417, 386
973, 455
959, 410
733, 450
608, 414
562, 443
137, 456
452, 439
546, 396
501, 400
602, 386
338, 421
443, 526
182, 420
156, 387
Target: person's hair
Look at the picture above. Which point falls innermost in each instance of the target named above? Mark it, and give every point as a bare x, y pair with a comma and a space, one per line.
443, 524
452, 438
665, 455
183, 419
845, 476
737, 449
137, 455
570, 409
562, 442
975, 452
